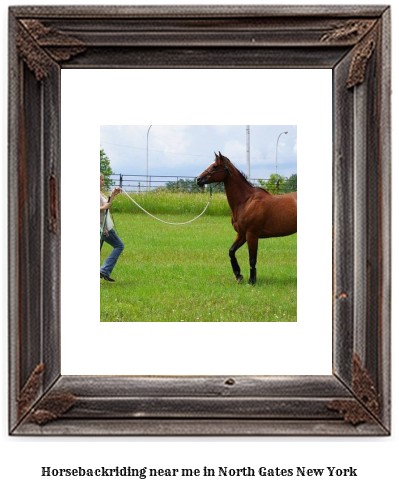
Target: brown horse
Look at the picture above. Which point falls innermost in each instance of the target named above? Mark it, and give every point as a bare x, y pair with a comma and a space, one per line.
255, 213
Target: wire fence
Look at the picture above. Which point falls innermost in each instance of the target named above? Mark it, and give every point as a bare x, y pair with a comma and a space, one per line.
141, 183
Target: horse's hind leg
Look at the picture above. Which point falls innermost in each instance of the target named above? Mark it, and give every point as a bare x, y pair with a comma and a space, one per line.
238, 242
253, 254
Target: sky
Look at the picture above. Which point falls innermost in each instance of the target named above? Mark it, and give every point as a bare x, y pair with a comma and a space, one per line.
187, 150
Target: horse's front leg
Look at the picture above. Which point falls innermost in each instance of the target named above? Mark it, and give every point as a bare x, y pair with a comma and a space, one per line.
253, 254
238, 242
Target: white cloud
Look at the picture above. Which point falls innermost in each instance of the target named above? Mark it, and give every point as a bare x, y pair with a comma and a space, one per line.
188, 150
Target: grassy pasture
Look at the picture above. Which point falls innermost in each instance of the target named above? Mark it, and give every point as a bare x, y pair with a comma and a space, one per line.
183, 273
166, 202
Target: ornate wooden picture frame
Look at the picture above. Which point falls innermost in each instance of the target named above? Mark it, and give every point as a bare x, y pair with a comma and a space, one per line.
352, 41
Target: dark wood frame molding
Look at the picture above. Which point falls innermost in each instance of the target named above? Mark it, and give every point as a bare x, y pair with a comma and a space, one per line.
352, 41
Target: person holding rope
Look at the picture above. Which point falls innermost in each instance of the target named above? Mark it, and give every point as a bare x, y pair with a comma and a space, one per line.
108, 233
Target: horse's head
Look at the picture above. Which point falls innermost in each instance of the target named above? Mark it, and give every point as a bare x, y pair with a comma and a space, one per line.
216, 172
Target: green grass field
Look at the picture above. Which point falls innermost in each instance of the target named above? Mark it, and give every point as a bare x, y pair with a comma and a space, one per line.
183, 273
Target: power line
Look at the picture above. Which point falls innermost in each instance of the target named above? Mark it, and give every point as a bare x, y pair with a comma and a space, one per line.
233, 160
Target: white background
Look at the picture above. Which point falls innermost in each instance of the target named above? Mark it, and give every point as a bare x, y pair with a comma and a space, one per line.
22, 458
93, 97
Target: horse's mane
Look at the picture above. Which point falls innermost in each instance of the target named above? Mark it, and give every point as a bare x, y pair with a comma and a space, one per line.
245, 178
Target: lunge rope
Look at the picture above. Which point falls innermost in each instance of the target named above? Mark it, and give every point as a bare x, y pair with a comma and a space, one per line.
163, 221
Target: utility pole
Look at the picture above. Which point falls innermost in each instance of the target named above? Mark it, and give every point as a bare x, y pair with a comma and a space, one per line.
248, 154
148, 131
285, 133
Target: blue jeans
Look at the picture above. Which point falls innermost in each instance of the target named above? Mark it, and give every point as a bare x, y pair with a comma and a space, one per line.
113, 240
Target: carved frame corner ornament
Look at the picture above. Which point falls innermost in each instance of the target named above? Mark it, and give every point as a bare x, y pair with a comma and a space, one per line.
39, 45
30, 391
50, 407
361, 56
366, 406
354, 43
348, 31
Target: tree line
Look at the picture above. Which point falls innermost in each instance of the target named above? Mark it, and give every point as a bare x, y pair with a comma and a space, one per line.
275, 184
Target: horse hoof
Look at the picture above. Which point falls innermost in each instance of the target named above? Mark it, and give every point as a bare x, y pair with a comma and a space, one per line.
239, 279
251, 282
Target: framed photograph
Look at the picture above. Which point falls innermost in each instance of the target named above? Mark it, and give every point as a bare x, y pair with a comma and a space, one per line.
352, 44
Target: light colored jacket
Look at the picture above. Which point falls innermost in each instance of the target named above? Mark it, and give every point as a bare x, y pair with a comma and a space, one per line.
109, 224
